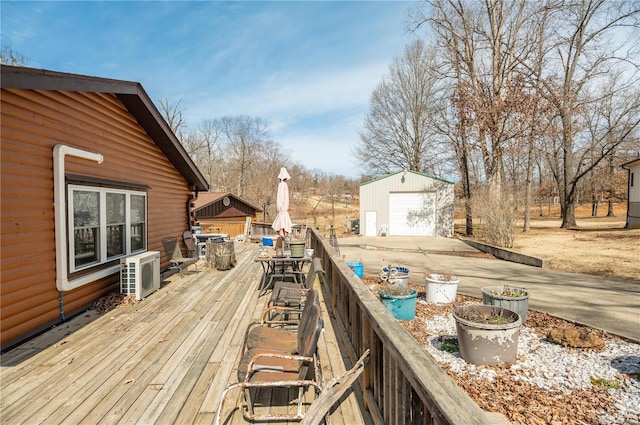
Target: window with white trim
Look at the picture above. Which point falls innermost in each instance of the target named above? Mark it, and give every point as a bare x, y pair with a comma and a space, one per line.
104, 224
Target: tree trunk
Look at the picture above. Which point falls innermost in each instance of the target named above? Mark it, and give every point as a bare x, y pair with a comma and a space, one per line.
568, 174
610, 209
466, 188
527, 194
568, 209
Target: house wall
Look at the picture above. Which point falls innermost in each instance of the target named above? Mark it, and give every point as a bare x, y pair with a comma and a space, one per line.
374, 196
633, 212
33, 122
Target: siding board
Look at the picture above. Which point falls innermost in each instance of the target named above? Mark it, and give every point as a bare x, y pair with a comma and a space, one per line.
33, 122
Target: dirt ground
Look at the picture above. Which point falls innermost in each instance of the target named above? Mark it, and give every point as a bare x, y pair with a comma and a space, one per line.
600, 246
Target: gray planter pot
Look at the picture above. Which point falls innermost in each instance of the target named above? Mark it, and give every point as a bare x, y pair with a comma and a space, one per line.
499, 296
485, 342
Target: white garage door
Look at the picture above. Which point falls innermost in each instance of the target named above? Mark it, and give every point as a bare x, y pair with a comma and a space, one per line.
412, 214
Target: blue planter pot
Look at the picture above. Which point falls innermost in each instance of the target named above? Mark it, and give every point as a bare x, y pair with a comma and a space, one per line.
357, 267
403, 307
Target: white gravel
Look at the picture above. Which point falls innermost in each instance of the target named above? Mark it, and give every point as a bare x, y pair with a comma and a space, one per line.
552, 367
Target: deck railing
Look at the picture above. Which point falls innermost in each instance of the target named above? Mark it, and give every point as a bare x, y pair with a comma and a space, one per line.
402, 384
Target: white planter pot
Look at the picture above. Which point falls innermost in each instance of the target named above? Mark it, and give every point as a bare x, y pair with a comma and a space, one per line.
439, 291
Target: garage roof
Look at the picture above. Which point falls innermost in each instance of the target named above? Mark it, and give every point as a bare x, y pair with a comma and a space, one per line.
405, 171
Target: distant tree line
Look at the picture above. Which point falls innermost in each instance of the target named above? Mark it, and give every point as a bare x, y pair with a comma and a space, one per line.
237, 154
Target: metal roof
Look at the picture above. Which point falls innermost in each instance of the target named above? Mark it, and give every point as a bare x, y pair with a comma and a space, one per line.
405, 171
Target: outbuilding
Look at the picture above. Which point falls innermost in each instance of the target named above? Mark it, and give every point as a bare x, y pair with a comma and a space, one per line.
91, 174
633, 203
406, 203
224, 212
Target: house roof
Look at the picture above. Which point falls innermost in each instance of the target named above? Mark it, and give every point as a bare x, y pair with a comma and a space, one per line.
208, 198
130, 93
403, 171
630, 163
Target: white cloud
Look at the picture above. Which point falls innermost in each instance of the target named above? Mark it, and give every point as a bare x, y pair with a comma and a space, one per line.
284, 96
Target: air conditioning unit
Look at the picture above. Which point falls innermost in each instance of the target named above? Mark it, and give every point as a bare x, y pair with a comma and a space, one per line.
140, 274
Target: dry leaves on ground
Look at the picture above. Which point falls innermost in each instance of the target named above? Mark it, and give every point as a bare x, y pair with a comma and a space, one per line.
520, 402
112, 300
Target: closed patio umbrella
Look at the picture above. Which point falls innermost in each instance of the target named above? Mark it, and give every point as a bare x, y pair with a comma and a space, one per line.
282, 223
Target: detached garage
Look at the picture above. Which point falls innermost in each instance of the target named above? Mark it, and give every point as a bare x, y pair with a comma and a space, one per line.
406, 203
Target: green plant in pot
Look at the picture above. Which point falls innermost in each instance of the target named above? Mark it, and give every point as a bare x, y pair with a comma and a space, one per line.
512, 298
399, 300
487, 335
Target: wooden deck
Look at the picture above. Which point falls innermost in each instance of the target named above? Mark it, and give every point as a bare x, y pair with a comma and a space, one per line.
165, 360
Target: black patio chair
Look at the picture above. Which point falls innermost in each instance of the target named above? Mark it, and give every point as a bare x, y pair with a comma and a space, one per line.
175, 257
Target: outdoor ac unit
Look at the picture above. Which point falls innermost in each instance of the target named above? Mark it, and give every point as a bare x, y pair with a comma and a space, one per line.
140, 274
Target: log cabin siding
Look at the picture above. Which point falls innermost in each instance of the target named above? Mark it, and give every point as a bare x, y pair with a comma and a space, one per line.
33, 122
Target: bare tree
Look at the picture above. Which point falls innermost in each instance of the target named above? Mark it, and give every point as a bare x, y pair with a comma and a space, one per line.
579, 51
398, 132
206, 150
172, 113
245, 142
8, 56
484, 42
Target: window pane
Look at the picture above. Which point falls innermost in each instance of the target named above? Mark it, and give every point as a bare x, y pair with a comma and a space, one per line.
115, 240
138, 225
86, 246
115, 208
137, 209
137, 237
86, 208
116, 205
86, 227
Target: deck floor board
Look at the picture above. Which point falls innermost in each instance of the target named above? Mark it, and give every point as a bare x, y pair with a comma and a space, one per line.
165, 360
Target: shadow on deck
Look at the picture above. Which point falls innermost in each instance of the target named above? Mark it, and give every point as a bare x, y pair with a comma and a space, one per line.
165, 360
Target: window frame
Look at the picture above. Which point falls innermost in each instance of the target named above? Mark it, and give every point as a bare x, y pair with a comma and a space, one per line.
102, 251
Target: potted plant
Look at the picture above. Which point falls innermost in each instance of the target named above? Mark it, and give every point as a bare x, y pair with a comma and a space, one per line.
297, 247
514, 299
441, 287
400, 301
487, 335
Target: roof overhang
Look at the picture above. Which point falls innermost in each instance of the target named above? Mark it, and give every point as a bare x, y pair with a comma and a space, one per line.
206, 199
130, 93
630, 164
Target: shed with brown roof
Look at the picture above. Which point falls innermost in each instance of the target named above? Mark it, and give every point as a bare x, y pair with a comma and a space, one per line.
90, 173
224, 212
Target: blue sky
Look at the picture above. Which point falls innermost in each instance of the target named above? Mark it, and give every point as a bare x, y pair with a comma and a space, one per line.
306, 67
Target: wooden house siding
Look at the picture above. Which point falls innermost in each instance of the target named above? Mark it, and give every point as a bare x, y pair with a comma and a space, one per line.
213, 216
33, 122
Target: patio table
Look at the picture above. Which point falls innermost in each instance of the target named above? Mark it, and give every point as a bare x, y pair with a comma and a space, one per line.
274, 266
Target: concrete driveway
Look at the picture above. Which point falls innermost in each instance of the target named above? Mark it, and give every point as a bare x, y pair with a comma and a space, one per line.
612, 305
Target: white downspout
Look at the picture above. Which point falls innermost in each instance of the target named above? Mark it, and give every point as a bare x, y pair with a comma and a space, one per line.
62, 282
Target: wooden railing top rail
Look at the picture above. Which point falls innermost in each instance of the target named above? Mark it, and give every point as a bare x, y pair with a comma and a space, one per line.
440, 395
